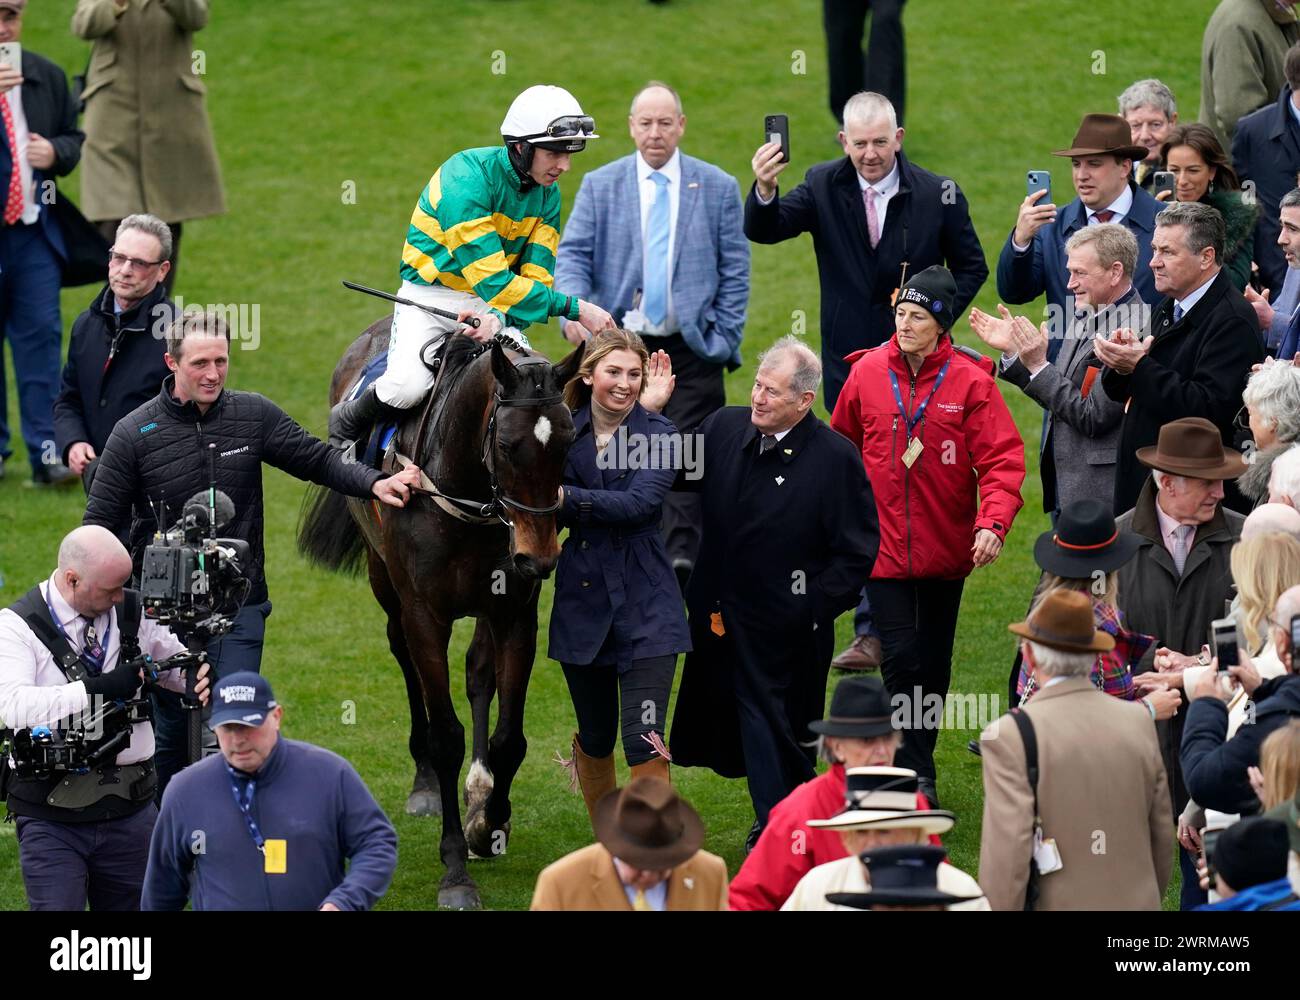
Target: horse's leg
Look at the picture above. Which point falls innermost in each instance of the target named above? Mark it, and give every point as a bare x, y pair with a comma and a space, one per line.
427, 640
480, 686
515, 636
423, 800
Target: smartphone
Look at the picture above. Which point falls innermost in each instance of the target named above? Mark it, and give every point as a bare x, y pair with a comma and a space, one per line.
1039, 180
12, 53
1295, 641
1164, 181
1223, 640
776, 128
1209, 838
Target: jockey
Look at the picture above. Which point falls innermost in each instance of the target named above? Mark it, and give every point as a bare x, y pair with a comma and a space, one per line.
481, 242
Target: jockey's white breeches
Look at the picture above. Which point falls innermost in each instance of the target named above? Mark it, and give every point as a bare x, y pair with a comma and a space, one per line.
407, 379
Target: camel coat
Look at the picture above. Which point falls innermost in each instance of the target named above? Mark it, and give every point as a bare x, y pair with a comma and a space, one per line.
149, 145
587, 880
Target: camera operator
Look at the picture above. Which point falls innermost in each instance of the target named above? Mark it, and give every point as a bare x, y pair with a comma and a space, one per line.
83, 837
159, 454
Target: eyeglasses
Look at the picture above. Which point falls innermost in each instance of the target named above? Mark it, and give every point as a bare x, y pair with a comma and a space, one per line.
570, 125
121, 260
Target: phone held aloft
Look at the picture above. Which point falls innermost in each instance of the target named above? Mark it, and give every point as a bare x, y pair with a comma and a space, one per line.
1039, 180
776, 129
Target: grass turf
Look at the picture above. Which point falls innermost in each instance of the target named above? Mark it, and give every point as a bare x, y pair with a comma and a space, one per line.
308, 107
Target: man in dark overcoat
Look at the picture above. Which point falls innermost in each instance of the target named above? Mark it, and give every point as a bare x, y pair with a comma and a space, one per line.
1195, 360
790, 536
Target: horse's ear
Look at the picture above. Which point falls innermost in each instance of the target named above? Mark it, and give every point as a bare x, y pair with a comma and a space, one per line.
568, 368
503, 370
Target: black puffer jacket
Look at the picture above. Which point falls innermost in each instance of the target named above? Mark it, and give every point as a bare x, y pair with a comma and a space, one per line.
159, 451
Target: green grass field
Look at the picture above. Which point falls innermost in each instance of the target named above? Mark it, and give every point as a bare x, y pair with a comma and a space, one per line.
308, 104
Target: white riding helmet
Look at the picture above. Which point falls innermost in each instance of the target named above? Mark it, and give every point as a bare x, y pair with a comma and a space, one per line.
549, 117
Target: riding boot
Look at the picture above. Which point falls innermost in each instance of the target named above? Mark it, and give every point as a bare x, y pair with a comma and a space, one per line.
595, 777
350, 419
655, 767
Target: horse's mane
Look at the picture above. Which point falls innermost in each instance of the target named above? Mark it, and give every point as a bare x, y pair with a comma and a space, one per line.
460, 351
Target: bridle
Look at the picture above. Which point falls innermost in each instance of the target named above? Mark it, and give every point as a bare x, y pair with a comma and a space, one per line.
499, 505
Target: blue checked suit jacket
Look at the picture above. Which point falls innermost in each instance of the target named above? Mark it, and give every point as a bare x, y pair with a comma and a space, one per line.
600, 255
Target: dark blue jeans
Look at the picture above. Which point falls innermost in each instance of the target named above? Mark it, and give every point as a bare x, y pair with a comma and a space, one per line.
66, 865
239, 649
862, 617
30, 275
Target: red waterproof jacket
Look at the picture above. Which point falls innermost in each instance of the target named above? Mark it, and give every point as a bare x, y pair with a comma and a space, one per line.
967, 475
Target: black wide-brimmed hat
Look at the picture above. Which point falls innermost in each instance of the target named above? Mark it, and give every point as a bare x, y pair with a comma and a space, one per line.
901, 876
647, 824
859, 709
935, 291
1084, 541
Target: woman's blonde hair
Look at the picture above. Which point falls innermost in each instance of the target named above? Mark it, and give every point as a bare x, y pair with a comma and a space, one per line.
1279, 761
1049, 582
1262, 568
576, 392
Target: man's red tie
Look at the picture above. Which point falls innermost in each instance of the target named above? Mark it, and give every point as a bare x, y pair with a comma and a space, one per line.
1104, 216
14, 196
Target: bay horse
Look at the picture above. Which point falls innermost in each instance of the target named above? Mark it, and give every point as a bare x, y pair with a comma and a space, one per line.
492, 440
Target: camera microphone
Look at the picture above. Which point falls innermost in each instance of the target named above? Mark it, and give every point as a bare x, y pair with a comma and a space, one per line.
197, 512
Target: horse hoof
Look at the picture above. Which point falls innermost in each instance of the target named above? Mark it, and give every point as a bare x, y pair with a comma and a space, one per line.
459, 897
485, 842
424, 803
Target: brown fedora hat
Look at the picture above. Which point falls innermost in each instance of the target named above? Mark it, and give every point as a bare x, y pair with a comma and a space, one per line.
647, 824
1192, 447
1108, 134
1063, 620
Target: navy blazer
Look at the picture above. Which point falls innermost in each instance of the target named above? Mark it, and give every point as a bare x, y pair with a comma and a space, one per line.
1266, 152
51, 112
616, 597
1022, 277
928, 222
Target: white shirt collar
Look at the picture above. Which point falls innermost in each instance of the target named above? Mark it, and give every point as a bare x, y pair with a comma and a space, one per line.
1195, 296
886, 187
672, 169
63, 611
1120, 206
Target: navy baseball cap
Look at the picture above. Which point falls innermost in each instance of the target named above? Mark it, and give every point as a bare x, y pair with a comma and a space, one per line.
244, 698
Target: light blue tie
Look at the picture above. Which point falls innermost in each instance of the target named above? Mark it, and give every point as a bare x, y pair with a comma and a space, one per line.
654, 300
1178, 313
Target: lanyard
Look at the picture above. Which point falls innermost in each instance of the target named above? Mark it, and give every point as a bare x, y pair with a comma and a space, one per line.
911, 422
94, 664
245, 803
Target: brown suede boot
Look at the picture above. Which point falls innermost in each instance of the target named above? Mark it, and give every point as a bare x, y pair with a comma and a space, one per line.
655, 767
595, 776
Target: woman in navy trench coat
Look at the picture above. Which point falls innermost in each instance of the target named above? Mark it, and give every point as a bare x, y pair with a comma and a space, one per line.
617, 623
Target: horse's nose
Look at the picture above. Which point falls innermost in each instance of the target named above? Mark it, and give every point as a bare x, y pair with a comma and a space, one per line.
532, 568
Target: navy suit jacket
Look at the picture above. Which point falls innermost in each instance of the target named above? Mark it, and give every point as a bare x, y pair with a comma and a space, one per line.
1266, 153
1022, 277
600, 256
50, 112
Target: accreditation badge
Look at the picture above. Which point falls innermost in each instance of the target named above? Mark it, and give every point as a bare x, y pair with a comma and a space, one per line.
275, 853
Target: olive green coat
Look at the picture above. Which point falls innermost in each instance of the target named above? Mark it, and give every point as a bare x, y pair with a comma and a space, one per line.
149, 146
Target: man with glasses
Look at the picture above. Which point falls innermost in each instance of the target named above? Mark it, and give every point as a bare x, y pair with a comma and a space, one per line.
481, 242
39, 141
117, 350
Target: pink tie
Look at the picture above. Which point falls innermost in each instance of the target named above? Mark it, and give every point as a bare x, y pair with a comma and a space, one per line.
1182, 545
12, 208
873, 220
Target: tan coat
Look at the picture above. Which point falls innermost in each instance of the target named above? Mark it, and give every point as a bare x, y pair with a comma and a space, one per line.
1103, 796
586, 880
149, 145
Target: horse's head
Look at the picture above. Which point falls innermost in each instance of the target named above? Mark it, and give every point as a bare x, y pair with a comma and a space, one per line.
527, 448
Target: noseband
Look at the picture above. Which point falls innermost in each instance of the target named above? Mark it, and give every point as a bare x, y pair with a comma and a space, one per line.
499, 505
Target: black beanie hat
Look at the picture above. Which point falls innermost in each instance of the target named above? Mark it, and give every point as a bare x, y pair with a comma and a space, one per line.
934, 291
1251, 851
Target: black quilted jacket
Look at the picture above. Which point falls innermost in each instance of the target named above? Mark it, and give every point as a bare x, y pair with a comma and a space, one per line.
159, 451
